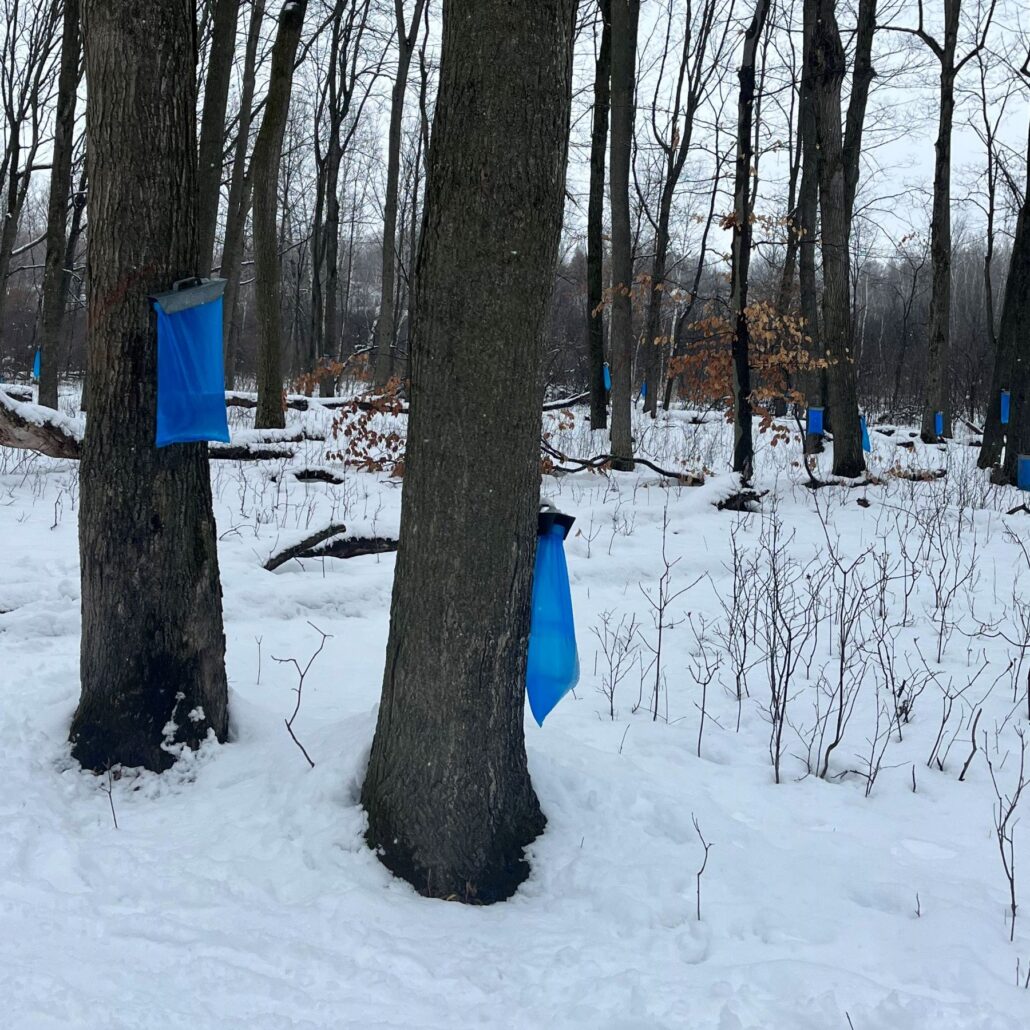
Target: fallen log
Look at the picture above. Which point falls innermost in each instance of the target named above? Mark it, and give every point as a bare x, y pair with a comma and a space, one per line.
249, 452
17, 393
31, 427
234, 399
603, 461
566, 402
330, 543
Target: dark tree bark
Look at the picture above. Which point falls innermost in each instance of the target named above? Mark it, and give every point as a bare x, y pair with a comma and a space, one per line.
828, 68
55, 294
938, 394
28, 36
240, 189
861, 80
224, 21
1012, 365
625, 15
1002, 348
448, 795
808, 223
348, 23
595, 221
407, 36
264, 177
743, 444
152, 653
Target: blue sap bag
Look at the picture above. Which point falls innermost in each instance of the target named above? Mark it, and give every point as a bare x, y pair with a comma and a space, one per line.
1006, 400
190, 371
607, 377
552, 668
35, 366
815, 421
1023, 472
866, 445
938, 423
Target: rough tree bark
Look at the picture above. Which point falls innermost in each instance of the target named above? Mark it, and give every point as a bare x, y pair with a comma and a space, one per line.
938, 394
239, 196
348, 23
224, 21
55, 294
595, 221
28, 36
743, 444
828, 67
448, 795
264, 177
152, 652
1006, 338
1012, 364
407, 35
625, 15
808, 223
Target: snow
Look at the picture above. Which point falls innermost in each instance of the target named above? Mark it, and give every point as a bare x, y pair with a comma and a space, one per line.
237, 890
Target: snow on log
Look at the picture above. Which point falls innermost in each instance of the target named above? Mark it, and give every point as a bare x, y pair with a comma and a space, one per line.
31, 427
330, 543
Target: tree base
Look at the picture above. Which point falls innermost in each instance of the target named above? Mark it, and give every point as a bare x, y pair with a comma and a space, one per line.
482, 877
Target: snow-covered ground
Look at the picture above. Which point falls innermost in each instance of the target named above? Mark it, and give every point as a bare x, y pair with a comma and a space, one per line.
236, 891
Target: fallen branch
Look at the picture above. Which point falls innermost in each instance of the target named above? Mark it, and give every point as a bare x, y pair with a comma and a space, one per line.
741, 501
249, 452
603, 461
234, 399
17, 393
330, 543
566, 402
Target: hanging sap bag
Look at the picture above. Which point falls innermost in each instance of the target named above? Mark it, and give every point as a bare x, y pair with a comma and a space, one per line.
866, 444
1023, 471
607, 378
815, 421
552, 669
190, 371
938, 423
1006, 401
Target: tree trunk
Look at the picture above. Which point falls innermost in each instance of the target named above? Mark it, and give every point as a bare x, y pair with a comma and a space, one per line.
861, 80
1012, 364
386, 323
625, 15
828, 68
939, 340
264, 177
1009, 366
654, 345
448, 795
239, 196
743, 444
11, 217
212, 123
152, 652
55, 294
808, 223
595, 222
